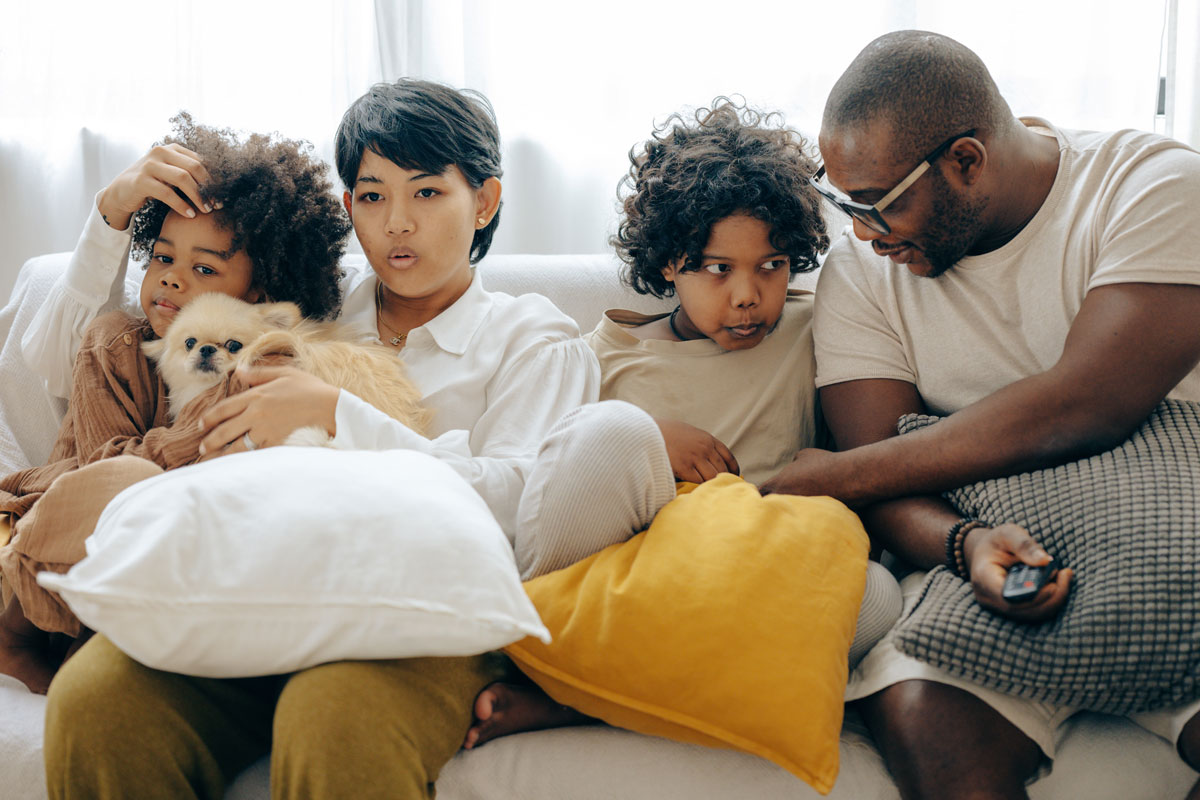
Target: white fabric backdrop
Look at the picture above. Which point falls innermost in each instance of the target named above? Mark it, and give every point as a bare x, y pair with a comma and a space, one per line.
85, 86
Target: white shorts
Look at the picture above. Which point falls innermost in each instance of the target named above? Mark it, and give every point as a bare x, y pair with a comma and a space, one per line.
1042, 722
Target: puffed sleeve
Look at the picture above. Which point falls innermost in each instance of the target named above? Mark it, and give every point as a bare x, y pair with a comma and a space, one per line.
93, 283
525, 398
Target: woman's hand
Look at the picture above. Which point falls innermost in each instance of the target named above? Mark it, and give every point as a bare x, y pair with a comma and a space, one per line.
278, 400
157, 175
989, 553
695, 455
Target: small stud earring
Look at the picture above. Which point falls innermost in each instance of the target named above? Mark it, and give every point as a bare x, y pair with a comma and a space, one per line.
482, 221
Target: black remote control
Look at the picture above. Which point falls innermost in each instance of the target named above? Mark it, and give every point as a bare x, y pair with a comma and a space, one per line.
1024, 582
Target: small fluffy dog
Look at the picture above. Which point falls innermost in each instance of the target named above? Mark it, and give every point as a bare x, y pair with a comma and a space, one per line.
215, 333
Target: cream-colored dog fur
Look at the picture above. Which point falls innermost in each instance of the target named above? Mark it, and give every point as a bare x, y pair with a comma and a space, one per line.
215, 333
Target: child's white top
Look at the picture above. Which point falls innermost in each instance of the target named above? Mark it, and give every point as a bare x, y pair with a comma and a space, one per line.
497, 370
760, 402
93, 283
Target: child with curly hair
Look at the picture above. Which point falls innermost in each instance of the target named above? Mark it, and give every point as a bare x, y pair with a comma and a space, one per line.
719, 213
253, 218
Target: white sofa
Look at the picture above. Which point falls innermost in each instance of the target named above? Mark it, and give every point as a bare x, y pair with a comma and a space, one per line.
1101, 757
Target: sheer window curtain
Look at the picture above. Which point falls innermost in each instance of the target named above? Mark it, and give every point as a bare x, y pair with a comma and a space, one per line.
1179, 101
86, 87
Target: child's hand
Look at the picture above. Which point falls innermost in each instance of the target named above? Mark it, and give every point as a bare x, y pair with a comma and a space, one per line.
155, 175
695, 455
990, 552
279, 400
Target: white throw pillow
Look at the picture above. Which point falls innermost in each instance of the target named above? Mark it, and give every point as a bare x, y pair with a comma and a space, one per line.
283, 558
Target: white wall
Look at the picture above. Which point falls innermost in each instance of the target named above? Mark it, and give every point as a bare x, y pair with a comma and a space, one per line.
86, 86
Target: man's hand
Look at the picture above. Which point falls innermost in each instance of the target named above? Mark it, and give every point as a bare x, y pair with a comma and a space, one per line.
695, 455
810, 474
990, 552
161, 174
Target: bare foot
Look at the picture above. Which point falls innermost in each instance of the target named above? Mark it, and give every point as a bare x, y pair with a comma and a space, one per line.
27, 660
79, 641
505, 708
25, 650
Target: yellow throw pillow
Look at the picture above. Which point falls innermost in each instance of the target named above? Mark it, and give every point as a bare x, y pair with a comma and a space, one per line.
727, 623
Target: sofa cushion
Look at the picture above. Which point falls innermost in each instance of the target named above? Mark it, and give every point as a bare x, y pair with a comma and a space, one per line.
283, 558
1128, 523
726, 623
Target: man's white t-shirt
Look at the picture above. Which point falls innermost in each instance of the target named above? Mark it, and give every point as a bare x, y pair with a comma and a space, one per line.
1124, 208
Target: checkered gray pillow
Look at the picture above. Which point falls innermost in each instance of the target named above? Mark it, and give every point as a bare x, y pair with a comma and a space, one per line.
1128, 522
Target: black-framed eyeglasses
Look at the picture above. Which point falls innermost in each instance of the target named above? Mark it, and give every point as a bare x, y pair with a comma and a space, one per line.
870, 215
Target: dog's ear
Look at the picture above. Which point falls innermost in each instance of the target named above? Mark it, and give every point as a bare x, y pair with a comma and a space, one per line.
279, 315
154, 348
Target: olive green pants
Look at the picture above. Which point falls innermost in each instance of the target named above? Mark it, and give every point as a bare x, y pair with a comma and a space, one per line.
352, 729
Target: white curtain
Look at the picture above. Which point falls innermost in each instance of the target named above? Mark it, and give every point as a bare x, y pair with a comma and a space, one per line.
85, 87
1179, 104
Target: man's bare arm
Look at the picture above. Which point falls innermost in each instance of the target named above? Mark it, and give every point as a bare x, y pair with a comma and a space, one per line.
1129, 345
863, 412
915, 528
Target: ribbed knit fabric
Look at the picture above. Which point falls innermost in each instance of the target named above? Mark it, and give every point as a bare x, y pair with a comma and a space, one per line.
601, 475
881, 607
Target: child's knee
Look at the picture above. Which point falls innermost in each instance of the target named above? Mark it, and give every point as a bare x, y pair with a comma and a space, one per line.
116, 473
610, 426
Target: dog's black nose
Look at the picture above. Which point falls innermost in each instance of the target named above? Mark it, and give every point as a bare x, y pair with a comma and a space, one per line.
208, 351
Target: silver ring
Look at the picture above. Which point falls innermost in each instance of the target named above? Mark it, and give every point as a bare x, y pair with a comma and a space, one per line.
247, 442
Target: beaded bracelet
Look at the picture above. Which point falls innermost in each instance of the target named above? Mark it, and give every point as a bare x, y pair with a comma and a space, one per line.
956, 560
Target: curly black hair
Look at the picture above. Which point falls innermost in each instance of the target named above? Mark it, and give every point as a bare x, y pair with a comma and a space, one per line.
427, 126
692, 173
278, 203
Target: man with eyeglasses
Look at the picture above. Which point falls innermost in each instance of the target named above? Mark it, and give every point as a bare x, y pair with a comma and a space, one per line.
1042, 288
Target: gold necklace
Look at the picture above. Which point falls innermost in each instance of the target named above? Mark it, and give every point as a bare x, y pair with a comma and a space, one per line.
398, 338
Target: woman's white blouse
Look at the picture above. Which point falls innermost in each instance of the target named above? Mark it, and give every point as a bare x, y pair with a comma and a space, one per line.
496, 370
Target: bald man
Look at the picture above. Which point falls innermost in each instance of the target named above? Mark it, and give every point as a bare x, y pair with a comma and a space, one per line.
1040, 286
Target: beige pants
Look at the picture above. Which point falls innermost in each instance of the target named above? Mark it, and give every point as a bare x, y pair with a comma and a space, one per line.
51, 536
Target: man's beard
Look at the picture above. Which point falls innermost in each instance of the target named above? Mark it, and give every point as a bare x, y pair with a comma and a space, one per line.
955, 226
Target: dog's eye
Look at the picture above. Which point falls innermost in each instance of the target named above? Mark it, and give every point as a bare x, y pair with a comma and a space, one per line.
233, 345
190, 343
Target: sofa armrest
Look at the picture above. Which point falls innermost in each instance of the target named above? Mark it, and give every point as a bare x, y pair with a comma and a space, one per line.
29, 415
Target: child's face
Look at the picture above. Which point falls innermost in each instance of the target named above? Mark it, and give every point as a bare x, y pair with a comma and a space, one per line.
191, 257
736, 295
416, 228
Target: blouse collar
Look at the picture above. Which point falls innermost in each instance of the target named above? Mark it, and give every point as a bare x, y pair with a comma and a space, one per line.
451, 331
